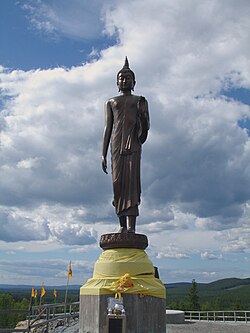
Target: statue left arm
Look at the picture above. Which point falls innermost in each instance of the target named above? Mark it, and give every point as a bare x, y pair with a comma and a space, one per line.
144, 119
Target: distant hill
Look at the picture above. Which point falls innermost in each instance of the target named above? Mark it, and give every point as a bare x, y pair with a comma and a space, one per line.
224, 292
25, 287
221, 293
229, 283
20, 292
223, 284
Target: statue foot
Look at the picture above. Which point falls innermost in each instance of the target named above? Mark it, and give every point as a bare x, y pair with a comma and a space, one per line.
123, 230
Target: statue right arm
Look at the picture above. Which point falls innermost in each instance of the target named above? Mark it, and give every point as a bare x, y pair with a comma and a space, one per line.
144, 119
107, 134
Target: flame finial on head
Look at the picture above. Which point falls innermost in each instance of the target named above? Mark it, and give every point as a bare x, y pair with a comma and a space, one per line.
126, 68
126, 64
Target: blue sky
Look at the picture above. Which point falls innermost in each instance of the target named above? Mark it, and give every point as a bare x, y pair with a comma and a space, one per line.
31, 48
58, 65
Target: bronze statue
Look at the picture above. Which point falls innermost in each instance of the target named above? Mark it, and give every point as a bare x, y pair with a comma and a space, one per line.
127, 125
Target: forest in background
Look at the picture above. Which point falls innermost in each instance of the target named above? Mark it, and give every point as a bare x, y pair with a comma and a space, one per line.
226, 294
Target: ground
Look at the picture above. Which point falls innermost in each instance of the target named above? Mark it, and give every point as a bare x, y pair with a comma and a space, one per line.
188, 327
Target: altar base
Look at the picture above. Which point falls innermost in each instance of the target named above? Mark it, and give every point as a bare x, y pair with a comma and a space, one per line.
143, 314
144, 303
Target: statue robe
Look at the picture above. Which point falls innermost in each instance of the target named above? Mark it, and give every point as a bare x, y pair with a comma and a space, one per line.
130, 127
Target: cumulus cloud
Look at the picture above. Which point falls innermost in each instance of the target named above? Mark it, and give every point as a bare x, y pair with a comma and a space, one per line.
44, 223
237, 238
210, 256
209, 274
15, 227
50, 144
73, 234
75, 19
197, 156
195, 164
171, 252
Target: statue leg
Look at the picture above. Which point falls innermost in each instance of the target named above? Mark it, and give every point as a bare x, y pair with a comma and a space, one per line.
131, 223
123, 224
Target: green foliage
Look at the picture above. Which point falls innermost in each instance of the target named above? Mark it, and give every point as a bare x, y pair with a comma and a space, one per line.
7, 302
193, 297
226, 294
19, 299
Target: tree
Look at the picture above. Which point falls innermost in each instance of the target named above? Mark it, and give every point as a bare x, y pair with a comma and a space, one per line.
237, 305
193, 297
7, 302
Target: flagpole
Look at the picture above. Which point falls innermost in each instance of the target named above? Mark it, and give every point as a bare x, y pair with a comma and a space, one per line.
66, 292
65, 301
69, 277
31, 296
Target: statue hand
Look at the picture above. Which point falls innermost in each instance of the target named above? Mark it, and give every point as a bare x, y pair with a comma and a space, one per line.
104, 164
142, 105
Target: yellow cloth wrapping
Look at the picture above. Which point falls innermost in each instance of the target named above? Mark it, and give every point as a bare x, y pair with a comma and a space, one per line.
114, 263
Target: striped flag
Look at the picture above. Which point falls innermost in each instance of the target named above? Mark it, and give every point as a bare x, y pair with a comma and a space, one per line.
43, 291
33, 293
70, 271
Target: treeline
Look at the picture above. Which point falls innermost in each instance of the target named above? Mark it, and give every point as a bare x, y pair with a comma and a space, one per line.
201, 298
218, 304
7, 302
20, 293
20, 299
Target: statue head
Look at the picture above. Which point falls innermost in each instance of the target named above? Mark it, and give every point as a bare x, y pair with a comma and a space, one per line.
128, 74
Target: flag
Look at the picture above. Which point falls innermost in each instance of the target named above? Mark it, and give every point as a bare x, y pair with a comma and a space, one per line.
33, 293
43, 291
55, 293
70, 271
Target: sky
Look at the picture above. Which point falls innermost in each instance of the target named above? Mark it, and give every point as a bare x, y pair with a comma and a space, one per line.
58, 66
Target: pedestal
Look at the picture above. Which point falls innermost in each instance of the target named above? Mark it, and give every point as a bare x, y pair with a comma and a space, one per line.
143, 314
144, 303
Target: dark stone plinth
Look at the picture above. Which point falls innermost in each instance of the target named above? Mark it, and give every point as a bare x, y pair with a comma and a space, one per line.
143, 314
124, 240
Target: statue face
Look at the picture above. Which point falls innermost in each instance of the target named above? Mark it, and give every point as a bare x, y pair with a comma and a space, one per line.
125, 81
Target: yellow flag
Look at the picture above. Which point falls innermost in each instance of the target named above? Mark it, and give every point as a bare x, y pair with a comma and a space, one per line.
33, 293
70, 271
43, 291
55, 293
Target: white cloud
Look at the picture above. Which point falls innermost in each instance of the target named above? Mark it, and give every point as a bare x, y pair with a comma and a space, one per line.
195, 164
28, 163
53, 124
73, 234
209, 274
66, 226
74, 19
210, 256
171, 252
15, 227
172, 255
